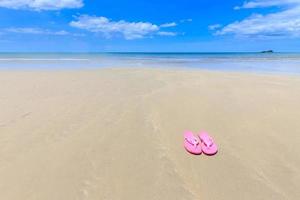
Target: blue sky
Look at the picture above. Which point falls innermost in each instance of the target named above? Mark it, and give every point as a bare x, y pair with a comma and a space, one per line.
143, 25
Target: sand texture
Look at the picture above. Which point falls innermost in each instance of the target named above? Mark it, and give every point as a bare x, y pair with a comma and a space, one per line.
116, 134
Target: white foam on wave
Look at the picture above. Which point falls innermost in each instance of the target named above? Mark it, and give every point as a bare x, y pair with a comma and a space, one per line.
43, 59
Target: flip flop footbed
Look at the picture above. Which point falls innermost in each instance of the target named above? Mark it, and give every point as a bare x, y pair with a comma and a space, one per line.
192, 143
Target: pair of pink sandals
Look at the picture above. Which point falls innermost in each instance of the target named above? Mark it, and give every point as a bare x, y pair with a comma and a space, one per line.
202, 143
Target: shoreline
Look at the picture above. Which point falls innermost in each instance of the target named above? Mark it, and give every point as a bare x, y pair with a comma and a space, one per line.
278, 63
163, 69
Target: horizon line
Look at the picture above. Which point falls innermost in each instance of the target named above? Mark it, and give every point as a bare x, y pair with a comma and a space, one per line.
142, 52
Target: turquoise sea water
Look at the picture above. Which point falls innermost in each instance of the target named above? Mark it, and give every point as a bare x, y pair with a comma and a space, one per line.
288, 63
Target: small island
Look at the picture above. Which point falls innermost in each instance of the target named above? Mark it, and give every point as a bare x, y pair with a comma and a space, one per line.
268, 51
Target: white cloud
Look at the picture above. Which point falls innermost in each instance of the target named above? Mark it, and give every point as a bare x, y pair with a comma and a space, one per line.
284, 23
266, 3
166, 25
108, 28
36, 31
214, 27
41, 4
186, 20
166, 33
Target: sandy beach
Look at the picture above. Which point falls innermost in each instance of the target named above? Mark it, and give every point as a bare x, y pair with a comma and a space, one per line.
116, 133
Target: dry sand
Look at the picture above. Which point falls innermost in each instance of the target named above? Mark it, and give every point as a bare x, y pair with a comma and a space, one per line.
117, 134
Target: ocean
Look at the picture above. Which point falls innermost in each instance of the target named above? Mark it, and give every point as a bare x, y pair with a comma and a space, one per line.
287, 63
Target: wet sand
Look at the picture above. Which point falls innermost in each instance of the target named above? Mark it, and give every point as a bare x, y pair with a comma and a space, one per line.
117, 134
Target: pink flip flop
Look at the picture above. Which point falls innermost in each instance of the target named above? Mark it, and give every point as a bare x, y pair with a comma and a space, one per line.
207, 144
192, 143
